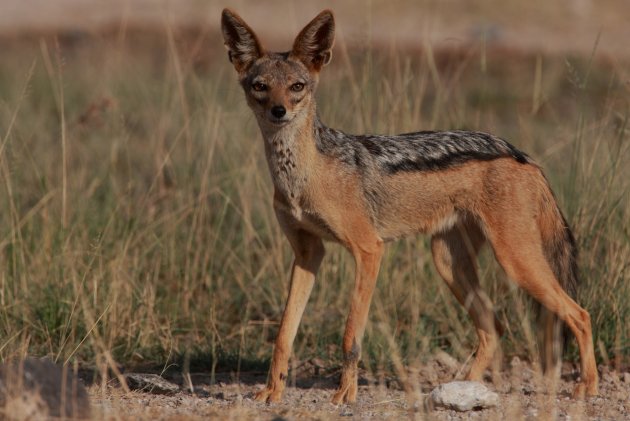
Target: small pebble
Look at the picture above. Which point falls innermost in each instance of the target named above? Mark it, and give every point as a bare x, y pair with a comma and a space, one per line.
346, 412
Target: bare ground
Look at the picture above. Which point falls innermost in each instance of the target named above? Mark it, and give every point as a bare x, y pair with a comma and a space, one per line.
308, 397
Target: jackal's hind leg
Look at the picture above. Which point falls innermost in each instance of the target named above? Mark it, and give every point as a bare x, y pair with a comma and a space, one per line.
309, 252
454, 254
528, 267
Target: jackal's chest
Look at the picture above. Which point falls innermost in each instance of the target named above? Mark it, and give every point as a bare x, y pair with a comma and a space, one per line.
291, 169
291, 198
299, 215
287, 177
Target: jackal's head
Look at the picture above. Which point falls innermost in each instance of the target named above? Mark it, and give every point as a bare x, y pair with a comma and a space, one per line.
279, 86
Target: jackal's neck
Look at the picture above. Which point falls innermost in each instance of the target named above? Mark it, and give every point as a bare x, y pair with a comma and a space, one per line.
290, 151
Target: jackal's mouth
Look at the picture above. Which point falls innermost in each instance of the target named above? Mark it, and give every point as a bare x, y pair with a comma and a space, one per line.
279, 121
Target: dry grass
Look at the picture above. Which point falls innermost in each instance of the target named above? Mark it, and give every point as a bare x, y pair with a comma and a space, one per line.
136, 206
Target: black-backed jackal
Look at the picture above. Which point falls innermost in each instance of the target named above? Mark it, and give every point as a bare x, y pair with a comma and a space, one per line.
462, 188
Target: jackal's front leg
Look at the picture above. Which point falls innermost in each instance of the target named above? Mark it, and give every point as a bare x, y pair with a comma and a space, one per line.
368, 259
309, 252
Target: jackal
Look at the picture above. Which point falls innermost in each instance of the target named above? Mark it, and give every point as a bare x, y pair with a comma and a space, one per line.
461, 187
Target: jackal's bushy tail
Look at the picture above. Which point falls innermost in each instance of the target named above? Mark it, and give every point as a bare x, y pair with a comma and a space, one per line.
561, 254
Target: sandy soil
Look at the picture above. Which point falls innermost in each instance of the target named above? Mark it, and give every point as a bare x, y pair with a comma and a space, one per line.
521, 397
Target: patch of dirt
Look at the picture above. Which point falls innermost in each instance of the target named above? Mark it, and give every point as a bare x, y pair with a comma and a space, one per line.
521, 396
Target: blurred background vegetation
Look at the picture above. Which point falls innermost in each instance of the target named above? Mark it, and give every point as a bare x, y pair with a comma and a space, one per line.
136, 224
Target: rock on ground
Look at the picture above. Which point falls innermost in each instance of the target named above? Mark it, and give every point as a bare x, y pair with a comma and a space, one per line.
38, 389
463, 396
150, 383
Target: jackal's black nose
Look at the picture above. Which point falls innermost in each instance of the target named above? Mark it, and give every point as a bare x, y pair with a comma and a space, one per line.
278, 111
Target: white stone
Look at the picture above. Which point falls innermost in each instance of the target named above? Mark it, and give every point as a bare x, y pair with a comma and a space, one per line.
463, 396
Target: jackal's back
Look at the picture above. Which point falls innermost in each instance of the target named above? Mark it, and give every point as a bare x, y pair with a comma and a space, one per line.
418, 151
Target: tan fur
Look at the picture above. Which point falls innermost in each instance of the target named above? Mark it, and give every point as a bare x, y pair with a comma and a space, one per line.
317, 197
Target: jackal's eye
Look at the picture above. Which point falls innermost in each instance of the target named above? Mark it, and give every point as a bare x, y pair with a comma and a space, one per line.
259, 87
297, 87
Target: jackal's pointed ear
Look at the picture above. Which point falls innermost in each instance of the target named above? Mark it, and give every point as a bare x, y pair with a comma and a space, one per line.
240, 40
313, 45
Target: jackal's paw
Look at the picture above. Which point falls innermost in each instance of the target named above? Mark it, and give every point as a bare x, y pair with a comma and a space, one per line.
269, 394
583, 390
345, 394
